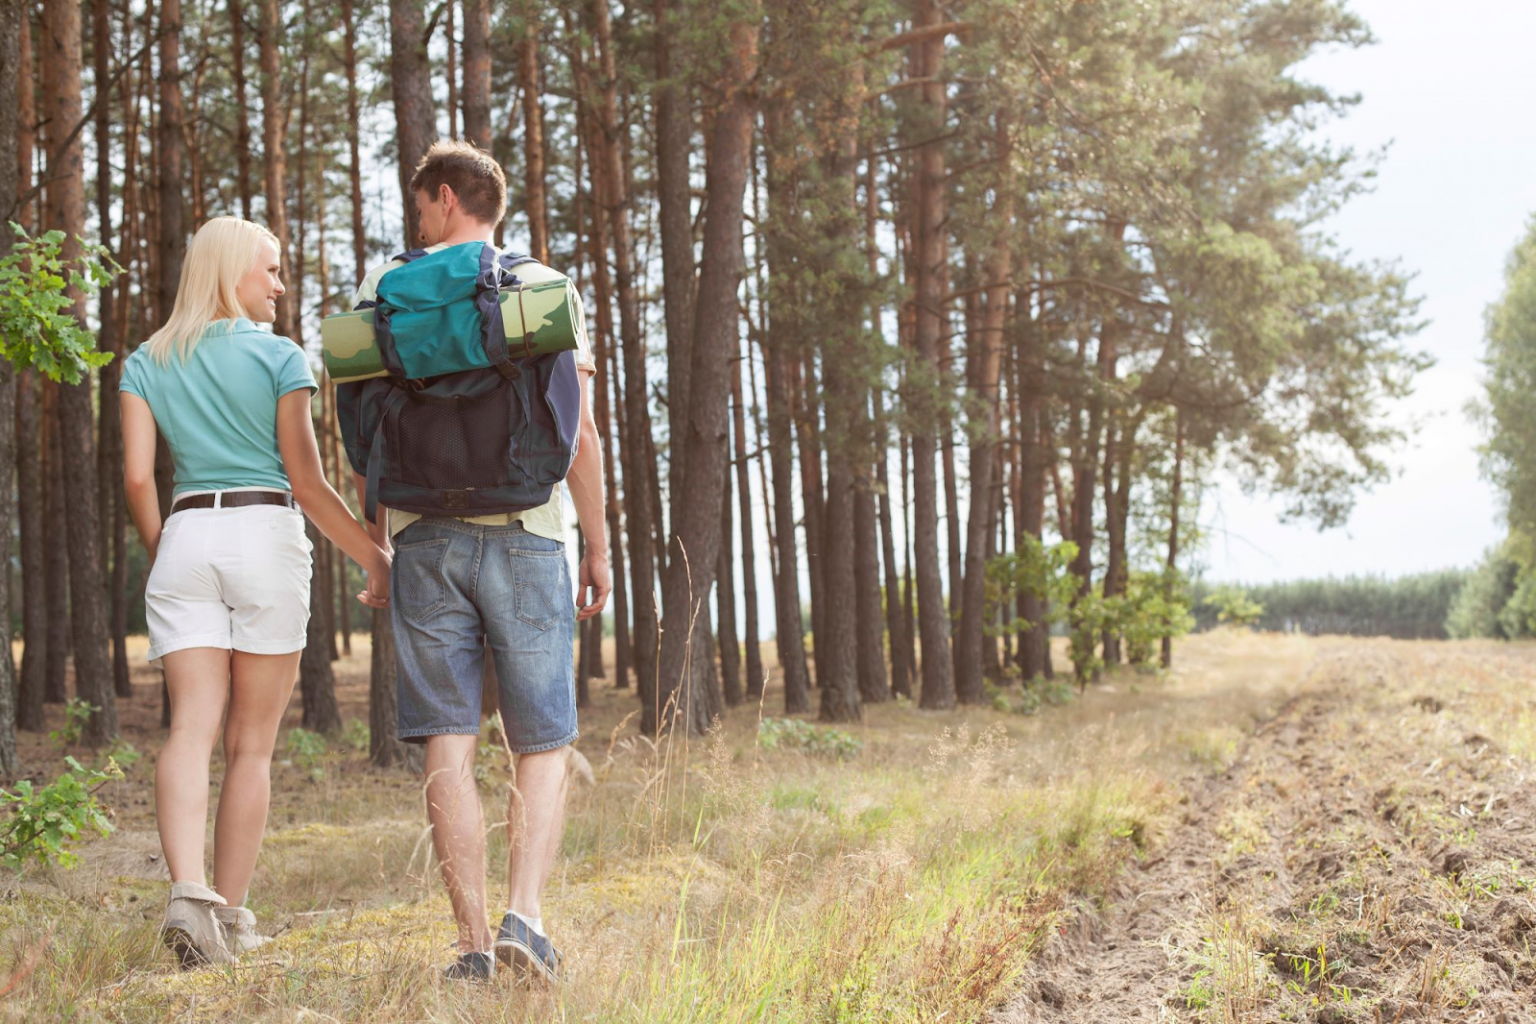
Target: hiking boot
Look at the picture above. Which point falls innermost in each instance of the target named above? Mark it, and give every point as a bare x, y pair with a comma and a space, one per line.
238, 926
190, 929
526, 951
473, 967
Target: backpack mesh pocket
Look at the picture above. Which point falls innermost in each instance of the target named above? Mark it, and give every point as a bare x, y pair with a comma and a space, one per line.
458, 437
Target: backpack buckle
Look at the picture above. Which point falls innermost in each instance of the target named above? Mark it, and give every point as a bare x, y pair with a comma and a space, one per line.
508, 371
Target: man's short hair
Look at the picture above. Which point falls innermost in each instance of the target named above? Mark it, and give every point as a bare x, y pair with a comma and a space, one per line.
474, 176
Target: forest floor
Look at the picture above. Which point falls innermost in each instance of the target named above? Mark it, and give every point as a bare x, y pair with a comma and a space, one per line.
1278, 829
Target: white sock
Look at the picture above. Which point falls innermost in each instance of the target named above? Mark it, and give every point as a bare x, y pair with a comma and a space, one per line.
535, 923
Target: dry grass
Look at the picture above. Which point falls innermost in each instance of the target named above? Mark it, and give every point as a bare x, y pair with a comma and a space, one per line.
701, 880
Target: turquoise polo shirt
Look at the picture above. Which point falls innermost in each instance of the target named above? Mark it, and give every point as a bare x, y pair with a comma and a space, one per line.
218, 410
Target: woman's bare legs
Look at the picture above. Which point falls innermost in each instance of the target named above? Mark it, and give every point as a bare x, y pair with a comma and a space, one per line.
259, 693
197, 680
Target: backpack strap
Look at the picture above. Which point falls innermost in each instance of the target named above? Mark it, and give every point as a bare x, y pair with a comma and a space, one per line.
382, 334
392, 402
496, 277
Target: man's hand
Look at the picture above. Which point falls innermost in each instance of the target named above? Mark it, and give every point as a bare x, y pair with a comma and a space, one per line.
376, 595
594, 578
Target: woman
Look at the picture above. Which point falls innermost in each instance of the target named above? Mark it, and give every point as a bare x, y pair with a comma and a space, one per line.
228, 593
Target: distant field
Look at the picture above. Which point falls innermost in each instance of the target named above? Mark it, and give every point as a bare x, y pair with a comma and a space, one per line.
1140, 850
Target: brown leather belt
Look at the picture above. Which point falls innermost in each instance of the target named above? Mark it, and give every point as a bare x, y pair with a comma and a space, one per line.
234, 499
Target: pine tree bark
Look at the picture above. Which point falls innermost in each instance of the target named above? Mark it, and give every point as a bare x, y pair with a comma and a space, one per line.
813, 498
110, 453
895, 622
1029, 511
751, 637
61, 64
385, 749
969, 682
687, 582
930, 257
675, 222
535, 206
12, 14
30, 422
1175, 499
412, 89
274, 121
242, 105
477, 73
317, 680
639, 458
56, 555
725, 603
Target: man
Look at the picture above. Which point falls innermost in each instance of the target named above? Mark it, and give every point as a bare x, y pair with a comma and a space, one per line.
498, 582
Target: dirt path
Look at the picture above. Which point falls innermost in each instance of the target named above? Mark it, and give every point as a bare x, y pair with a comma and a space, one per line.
1370, 855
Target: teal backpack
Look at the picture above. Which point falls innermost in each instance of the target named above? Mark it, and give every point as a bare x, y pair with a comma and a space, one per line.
460, 426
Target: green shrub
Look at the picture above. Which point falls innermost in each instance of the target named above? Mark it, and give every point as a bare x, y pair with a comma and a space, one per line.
816, 740
43, 823
357, 736
76, 713
306, 749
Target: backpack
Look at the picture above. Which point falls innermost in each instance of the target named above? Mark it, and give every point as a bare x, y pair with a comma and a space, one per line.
458, 427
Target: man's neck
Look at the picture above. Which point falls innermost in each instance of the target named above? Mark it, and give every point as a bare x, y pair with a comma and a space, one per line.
468, 231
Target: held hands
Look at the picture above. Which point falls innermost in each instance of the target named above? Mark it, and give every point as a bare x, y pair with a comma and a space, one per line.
376, 595
594, 579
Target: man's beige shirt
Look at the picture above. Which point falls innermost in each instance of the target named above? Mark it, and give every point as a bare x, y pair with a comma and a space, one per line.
548, 520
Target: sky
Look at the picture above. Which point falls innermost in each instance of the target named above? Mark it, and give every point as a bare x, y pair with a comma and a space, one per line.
1449, 90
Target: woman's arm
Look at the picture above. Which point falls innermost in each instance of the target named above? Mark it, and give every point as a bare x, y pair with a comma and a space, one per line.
319, 500
139, 435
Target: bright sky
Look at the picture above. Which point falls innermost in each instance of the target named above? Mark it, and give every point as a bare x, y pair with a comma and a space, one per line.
1450, 87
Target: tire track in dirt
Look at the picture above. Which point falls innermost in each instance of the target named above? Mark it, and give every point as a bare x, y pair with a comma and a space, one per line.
1368, 857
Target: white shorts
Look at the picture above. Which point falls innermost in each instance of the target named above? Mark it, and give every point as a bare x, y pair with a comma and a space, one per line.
236, 578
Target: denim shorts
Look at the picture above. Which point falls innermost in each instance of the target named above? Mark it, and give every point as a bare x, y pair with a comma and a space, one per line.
457, 589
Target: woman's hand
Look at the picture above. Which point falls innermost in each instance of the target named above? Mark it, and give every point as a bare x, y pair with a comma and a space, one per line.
376, 594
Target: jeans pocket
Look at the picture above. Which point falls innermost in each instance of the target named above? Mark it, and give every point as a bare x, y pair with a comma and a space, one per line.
416, 578
537, 577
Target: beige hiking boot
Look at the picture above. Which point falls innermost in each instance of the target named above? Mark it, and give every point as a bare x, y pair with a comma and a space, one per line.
239, 927
190, 928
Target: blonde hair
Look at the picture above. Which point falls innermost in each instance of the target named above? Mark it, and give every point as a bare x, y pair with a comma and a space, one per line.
220, 253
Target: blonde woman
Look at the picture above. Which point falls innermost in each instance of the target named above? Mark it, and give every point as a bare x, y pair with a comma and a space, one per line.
228, 593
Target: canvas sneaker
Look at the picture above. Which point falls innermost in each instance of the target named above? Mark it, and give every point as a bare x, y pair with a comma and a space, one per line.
190, 928
526, 951
473, 967
238, 925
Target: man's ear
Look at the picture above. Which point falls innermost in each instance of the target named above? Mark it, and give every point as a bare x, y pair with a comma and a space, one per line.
446, 197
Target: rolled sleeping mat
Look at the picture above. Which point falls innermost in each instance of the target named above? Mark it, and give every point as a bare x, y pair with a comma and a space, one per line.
549, 299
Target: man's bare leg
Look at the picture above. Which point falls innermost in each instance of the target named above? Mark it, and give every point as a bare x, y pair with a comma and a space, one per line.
453, 806
534, 827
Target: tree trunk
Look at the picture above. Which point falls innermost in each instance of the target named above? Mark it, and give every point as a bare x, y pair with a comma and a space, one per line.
274, 128
31, 421
639, 502
412, 90
61, 64
908, 596
930, 256
354, 167
385, 750
477, 75
969, 683
56, 648
1175, 498
754, 687
873, 685
895, 623
242, 107
109, 451
12, 15
534, 205
674, 136
725, 603
813, 500
1029, 513
35, 612
317, 681
687, 582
